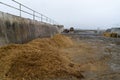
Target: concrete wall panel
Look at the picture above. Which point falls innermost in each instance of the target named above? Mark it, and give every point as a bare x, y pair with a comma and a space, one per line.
14, 29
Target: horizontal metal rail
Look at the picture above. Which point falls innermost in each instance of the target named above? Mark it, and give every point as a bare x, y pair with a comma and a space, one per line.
42, 17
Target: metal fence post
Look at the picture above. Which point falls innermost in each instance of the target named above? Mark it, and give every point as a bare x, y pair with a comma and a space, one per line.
46, 19
50, 21
20, 9
33, 15
41, 17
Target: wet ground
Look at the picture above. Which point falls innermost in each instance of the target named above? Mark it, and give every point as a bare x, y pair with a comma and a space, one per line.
98, 56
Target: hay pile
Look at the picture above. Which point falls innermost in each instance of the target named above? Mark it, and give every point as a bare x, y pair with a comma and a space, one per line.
40, 59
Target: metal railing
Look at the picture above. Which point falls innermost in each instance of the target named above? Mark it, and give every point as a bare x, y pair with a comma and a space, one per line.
35, 14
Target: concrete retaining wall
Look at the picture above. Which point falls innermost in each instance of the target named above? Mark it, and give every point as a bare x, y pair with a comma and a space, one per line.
14, 29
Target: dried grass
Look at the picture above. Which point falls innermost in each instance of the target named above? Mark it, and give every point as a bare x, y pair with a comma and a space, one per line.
39, 59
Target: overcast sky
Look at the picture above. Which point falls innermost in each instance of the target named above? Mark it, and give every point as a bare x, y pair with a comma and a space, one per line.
82, 14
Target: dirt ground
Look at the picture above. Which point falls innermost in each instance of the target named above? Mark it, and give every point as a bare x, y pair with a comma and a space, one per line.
86, 58
99, 57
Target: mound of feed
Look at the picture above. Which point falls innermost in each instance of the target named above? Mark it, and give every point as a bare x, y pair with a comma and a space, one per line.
39, 59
